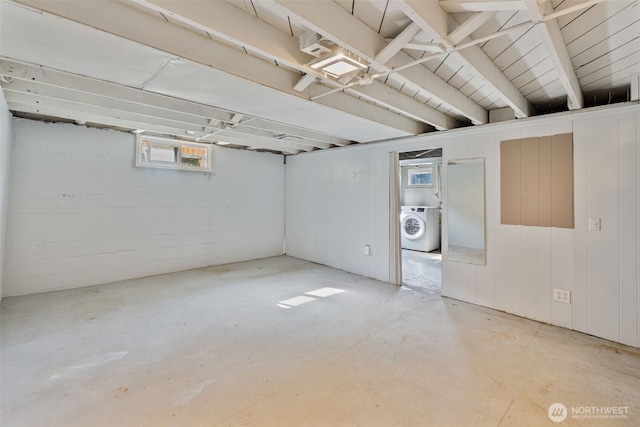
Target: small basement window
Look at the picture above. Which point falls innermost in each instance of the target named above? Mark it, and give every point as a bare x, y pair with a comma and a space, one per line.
421, 177
165, 153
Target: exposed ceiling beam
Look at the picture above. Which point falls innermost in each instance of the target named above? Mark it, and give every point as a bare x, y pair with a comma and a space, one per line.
342, 100
397, 44
549, 33
332, 21
125, 21
304, 82
469, 26
19, 103
42, 87
57, 84
294, 131
229, 23
480, 5
426, 47
433, 19
385, 95
35, 103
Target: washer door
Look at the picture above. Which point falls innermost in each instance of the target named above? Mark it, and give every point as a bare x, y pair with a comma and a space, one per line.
413, 227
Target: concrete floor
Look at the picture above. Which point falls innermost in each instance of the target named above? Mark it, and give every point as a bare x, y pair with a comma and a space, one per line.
422, 270
284, 342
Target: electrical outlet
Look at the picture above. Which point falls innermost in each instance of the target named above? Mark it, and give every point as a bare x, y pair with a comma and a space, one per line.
367, 250
562, 296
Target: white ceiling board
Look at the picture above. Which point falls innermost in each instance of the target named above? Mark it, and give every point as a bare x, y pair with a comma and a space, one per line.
394, 20
525, 62
621, 53
371, 12
203, 84
57, 43
429, 16
616, 78
589, 16
513, 50
551, 91
501, 21
230, 24
273, 80
282, 23
243, 56
541, 81
330, 20
533, 73
590, 51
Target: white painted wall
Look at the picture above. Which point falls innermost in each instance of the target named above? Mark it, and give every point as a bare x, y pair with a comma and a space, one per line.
5, 155
331, 215
81, 214
329, 218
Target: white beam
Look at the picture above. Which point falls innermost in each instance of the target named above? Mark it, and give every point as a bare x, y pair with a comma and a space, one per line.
332, 21
47, 76
398, 43
345, 100
27, 106
295, 131
427, 47
481, 5
549, 33
635, 88
101, 114
431, 18
469, 26
54, 89
380, 93
248, 132
125, 21
304, 82
229, 23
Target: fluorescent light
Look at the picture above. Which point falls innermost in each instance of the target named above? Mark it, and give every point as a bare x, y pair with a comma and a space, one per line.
338, 63
223, 143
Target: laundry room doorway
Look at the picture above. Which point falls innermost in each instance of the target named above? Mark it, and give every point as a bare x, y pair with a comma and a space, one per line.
420, 219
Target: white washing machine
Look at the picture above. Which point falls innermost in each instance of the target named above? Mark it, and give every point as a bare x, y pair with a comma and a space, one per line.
420, 228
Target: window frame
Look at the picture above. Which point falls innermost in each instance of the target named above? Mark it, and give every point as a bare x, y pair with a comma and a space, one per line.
420, 171
143, 154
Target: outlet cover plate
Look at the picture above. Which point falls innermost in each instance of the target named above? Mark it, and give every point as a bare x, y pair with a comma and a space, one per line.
562, 296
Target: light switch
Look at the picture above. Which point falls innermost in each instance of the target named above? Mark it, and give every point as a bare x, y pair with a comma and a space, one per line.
594, 224
354, 176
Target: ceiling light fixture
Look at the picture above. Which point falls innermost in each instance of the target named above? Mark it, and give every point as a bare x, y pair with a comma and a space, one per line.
338, 63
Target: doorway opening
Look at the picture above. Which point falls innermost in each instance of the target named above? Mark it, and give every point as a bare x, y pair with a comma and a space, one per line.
420, 197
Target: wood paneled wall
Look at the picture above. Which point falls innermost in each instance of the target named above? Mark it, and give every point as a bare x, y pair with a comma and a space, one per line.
330, 217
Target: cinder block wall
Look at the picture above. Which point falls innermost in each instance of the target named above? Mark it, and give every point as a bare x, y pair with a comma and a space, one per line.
81, 214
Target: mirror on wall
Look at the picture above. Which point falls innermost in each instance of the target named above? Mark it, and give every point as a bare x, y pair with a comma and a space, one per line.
466, 211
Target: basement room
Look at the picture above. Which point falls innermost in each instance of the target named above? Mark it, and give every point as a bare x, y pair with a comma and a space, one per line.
319, 213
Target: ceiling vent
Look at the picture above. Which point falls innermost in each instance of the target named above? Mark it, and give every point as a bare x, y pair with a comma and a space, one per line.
312, 44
